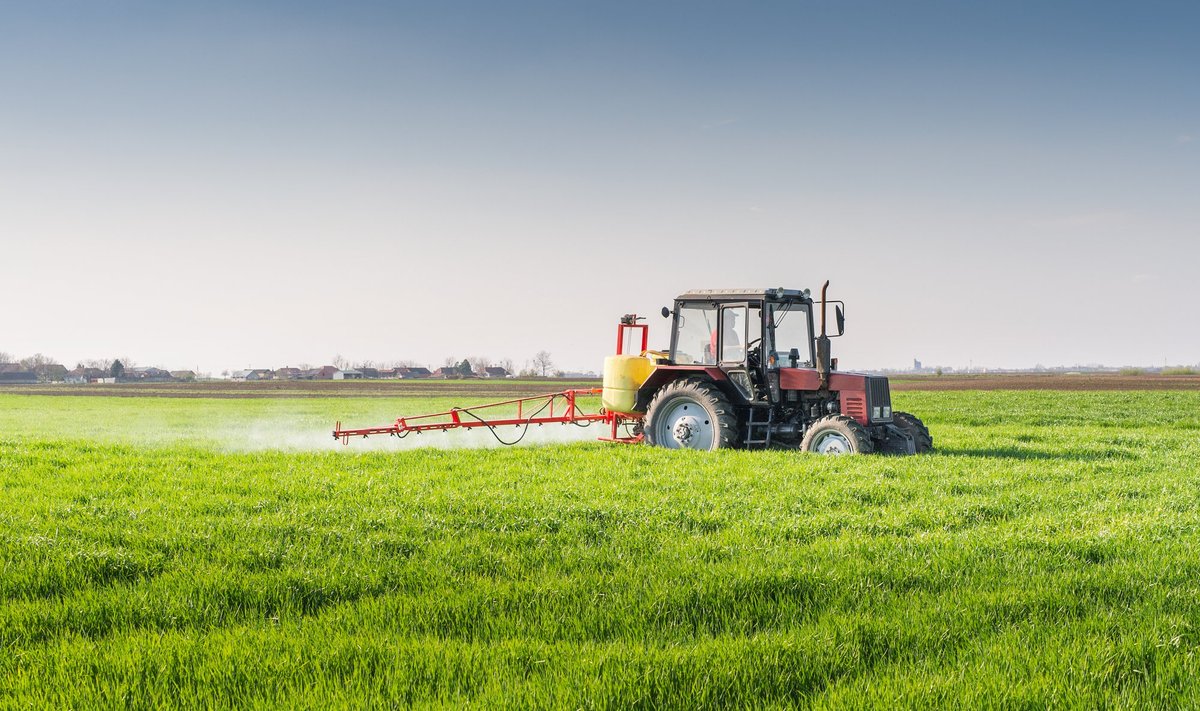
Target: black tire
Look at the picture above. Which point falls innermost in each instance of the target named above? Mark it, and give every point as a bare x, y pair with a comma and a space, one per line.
691, 414
837, 434
917, 429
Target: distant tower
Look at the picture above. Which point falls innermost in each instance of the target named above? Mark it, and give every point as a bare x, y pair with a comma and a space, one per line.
916, 364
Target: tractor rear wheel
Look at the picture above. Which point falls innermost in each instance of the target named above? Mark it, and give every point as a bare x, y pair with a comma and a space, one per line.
837, 434
691, 414
916, 429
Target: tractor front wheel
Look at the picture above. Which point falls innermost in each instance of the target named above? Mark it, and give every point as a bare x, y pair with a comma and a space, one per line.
916, 429
837, 434
691, 414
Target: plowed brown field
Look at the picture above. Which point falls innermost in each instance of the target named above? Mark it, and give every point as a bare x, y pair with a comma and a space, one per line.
499, 389
518, 388
1029, 381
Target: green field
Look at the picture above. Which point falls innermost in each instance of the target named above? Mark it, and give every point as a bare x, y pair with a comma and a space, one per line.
159, 552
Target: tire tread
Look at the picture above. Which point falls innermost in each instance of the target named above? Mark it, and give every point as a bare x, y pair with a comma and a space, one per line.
913, 425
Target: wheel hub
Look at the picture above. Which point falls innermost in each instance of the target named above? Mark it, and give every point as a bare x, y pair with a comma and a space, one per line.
833, 443
684, 429
684, 424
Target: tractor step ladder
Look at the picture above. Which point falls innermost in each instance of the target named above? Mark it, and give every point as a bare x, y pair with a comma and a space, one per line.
759, 427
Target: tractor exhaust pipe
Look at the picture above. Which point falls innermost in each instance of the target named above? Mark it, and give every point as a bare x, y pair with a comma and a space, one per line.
823, 362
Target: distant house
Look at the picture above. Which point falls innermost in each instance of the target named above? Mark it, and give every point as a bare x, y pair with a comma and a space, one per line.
186, 376
16, 374
369, 373
253, 375
82, 376
403, 373
447, 372
146, 375
324, 373
495, 372
288, 374
349, 374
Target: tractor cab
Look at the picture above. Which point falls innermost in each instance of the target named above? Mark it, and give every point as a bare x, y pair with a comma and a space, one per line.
749, 334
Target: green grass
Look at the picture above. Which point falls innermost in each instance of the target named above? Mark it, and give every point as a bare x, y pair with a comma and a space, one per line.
1047, 555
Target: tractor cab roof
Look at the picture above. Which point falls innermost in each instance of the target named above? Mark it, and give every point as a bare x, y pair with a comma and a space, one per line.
778, 294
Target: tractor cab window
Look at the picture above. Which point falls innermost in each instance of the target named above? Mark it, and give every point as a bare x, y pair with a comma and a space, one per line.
733, 333
791, 326
739, 334
695, 335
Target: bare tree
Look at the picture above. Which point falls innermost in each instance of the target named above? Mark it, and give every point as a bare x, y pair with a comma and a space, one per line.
5, 357
40, 365
36, 361
542, 364
507, 364
340, 362
450, 362
480, 364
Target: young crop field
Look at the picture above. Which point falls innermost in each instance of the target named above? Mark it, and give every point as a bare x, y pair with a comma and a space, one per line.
221, 553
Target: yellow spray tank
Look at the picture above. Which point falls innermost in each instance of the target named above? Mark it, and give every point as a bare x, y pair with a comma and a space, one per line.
623, 375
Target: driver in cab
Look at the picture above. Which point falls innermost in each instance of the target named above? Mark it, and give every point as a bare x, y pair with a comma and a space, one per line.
733, 350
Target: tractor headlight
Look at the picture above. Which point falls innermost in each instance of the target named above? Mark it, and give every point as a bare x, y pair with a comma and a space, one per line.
887, 411
877, 413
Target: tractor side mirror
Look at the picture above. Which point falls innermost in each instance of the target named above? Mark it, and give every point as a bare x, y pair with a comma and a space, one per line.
841, 319
666, 312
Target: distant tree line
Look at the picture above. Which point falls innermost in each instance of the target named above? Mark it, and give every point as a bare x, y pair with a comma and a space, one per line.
541, 365
43, 365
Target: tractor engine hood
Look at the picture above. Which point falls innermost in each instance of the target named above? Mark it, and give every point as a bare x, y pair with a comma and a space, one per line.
866, 398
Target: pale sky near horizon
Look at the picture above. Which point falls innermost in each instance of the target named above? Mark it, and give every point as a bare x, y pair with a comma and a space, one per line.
259, 184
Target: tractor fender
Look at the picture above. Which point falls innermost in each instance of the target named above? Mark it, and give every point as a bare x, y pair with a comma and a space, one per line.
665, 374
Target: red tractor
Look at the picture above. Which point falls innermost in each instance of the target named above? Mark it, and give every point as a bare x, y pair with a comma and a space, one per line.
745, 369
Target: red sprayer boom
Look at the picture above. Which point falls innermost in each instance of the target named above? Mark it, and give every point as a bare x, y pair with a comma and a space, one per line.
561, 407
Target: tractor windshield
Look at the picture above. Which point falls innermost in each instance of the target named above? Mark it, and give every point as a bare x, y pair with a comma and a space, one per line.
792, 331
695, 335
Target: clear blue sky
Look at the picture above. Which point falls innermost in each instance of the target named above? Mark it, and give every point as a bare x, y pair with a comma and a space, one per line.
262, 184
